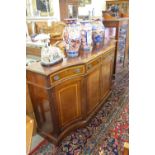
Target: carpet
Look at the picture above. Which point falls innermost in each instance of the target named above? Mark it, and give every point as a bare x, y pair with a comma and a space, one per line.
106, 132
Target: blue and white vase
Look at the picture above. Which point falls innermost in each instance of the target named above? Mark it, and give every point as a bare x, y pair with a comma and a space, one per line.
72, 37
98, 31
86, 35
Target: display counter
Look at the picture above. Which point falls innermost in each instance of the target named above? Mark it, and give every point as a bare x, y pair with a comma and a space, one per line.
66, 96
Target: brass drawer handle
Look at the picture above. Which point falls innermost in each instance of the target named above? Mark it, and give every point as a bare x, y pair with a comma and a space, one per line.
77, 70
89, 66
56, 77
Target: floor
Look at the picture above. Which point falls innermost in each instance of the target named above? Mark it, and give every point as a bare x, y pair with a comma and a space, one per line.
36, 140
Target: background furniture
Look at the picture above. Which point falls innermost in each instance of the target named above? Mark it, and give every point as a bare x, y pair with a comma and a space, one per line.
64, 8
126, 148
120, 27
122, 4
29, 110
65, 96
29, 132
54, 28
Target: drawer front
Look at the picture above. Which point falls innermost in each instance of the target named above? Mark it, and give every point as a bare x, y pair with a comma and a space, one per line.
66, 73
93, 64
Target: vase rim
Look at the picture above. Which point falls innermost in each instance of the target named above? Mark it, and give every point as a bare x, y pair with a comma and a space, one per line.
70, 19
85, 21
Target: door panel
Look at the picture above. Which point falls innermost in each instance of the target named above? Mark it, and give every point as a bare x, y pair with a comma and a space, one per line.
68, 98
93, 91
106, 75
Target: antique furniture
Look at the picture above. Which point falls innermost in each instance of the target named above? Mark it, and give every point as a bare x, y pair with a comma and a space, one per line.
29, 109
55, 30
67, 95
119, 26
31, 22
122, 4
126, 148
66, 6
36, 51
49, 26
29, 132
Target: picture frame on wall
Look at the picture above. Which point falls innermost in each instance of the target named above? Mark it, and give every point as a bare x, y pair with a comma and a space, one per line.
40, 7
82, 3
43, 5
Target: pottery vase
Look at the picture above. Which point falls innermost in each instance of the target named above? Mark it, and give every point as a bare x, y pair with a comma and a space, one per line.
98, 31
72, 37
86, 35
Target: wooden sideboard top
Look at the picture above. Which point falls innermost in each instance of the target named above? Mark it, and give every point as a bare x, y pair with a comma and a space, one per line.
83, 58
116, 19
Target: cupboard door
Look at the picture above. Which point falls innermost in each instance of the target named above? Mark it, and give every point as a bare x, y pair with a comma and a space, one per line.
106, 75
68, 99
93, 91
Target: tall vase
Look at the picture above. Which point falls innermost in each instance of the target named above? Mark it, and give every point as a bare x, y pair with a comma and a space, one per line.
86, 35
98, 30
72, 37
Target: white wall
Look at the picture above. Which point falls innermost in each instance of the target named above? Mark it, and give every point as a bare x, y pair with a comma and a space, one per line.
98, 6
56, 9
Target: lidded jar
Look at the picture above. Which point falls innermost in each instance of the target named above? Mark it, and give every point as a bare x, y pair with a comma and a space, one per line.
72, 37
86, 35
98, 31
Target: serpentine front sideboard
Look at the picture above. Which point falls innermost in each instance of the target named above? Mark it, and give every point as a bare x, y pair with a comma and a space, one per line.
66, 96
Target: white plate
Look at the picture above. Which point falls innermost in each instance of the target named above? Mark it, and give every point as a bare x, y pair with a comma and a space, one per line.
51, 63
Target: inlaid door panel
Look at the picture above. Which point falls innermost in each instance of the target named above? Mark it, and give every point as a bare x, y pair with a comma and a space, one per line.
93, 91
106, 75
68, 98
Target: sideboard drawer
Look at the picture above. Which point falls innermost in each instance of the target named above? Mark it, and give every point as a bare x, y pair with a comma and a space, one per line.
93, 64
68, 72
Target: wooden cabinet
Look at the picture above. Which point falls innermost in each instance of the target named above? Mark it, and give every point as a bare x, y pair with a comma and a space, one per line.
122, 4
42, 108
67, 95
106, 74
69, 104
29, 132
67, 73
120, 30
93, 89
29, 109
65, 10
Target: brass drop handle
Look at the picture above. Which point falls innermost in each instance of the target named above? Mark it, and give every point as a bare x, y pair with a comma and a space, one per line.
56, 77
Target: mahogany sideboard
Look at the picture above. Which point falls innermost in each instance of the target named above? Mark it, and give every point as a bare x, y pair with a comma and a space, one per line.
66, 96
120, 28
